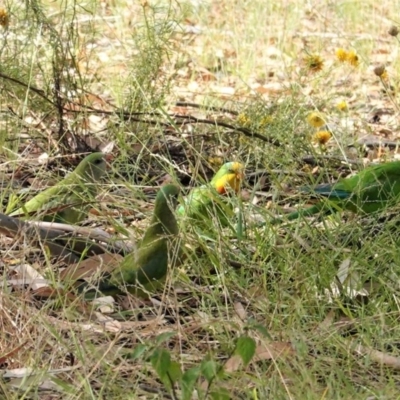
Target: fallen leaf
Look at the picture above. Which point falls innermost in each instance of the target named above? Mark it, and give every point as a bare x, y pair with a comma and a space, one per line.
110, 324
233, 364
87, 268
11, 353
273, 350
378, 356
29, 276
328, 321
104, 304
240, 311
51, 293
107, 148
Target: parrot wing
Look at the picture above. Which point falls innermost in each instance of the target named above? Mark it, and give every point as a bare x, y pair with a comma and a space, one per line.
373, 189
68, 201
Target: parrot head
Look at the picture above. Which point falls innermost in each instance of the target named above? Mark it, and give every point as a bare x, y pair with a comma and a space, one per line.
229, 175
92, 167
168, 193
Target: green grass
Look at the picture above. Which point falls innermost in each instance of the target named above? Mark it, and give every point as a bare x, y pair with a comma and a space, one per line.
119, 59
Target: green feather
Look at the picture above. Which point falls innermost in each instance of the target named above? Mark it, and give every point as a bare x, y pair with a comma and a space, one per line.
371, 190
206, 201
69, 200
147, 268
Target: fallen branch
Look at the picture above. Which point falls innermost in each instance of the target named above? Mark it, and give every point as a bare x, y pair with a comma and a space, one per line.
13, 227
114, 246
63, 240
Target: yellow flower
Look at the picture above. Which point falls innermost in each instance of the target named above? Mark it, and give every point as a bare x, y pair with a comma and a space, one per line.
266, 121
316, 119
384, 76
321, 137
243, 119
216, 161
314, 62
342, 106
341, 55
4, 18
352, 58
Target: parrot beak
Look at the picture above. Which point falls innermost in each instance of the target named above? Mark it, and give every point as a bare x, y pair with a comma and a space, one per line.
239, 177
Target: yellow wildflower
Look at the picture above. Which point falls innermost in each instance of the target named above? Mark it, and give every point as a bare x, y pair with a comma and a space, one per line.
216, 161
321, 137
341, 55
352, 58
342, 106
266, 120
314, 62
316, 119
384, 76
4, 18
243, 119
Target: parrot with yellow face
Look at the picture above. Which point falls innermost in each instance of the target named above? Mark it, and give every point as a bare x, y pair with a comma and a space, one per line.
210, 199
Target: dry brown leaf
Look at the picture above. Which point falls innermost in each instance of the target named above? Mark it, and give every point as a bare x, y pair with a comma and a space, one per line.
273, 350
233, 364
378, 356
11, 353
86, 268
109, 324
240, 311
51, 293
268, 351
205, 75
328, 321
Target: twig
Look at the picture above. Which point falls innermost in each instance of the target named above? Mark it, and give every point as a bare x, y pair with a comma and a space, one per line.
129, 115
13, 226
264, 172
245, 131
69, 245
34, 89
313, 160
211, 108
119, 246
373, 144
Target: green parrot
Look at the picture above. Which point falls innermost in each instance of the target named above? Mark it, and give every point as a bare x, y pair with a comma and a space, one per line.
373, 189
148, 266
69, 200
201, 201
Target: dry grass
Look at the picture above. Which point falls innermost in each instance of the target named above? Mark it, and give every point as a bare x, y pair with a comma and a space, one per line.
121, 69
